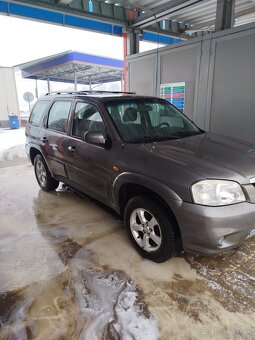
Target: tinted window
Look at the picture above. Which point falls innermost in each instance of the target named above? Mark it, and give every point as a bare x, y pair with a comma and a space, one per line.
87, 118
58, 115
38, 111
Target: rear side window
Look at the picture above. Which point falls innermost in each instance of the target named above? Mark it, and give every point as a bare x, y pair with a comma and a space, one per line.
58, 115
38, 112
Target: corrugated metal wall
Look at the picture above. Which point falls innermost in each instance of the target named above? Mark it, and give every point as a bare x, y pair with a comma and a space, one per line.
219, 72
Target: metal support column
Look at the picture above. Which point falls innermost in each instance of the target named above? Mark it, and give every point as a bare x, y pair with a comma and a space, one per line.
122, 84
36, 89
225, 14
75, 80
125, 61
48, 84
90, 84
132, 42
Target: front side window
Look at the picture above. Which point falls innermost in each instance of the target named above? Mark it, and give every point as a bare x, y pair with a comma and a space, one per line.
148, 120
86, 118
38, 112
58, 115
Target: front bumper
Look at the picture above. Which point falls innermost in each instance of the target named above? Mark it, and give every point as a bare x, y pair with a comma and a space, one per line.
212, 230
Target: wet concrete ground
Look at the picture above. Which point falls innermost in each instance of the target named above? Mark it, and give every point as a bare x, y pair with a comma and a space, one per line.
67, 271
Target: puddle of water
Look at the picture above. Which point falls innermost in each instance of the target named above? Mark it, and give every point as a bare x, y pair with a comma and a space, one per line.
7, 303
105, 290
113, 304
84, 302
38, 311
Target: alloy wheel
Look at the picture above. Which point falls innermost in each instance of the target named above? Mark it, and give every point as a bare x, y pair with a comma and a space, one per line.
41, 173
145, 230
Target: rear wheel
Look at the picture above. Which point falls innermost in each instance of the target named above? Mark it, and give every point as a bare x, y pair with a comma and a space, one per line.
43, 176
151, 229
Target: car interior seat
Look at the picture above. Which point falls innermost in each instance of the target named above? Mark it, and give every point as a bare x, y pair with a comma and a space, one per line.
131, 127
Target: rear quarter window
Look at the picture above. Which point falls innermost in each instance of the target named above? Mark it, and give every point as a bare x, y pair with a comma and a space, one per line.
38, 112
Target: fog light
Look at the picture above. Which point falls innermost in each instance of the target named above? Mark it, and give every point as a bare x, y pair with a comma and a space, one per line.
221, 240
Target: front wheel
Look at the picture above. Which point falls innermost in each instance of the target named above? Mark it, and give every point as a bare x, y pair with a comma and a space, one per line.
43, 176
153, 232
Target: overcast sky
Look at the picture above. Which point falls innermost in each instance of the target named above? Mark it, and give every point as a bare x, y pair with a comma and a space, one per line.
25, 40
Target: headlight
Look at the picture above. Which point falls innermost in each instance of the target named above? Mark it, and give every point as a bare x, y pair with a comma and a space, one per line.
216, 192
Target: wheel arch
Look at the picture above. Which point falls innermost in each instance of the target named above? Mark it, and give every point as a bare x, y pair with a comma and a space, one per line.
131, 185
141, 182
33, 152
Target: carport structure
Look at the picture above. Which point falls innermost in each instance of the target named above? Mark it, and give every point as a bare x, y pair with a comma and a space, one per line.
73, 67
161, 21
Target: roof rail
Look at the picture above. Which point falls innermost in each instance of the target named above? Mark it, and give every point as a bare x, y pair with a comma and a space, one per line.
59, 92
86, 92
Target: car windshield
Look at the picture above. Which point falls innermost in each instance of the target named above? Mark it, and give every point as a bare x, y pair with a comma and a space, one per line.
149, 120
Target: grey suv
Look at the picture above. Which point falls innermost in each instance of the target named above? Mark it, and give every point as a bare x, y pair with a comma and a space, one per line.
176, 186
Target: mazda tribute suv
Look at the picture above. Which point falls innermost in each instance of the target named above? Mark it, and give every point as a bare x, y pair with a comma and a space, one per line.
176, 186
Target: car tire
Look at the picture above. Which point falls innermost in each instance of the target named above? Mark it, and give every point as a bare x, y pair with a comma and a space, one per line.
158, 241
43, 175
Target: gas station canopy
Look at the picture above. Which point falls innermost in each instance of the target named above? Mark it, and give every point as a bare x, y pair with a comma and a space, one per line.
74, 67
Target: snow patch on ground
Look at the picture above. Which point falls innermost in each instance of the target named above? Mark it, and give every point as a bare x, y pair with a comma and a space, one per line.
131, 322
11, 137
12, 144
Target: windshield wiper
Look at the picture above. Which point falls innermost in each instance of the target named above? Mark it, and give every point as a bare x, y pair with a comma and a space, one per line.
148, 139
183, 134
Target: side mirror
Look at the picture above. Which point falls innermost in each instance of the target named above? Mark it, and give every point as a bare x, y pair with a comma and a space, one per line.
97, 138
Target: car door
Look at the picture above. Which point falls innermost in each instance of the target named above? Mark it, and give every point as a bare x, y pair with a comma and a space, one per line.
89, 166
54, 137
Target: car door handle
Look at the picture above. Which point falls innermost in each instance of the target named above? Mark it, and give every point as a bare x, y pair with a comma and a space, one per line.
44, 139
71, 148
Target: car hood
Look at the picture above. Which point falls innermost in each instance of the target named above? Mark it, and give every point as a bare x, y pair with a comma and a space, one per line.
207, 155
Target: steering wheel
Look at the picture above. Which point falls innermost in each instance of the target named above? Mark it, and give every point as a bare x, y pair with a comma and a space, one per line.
162, 124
